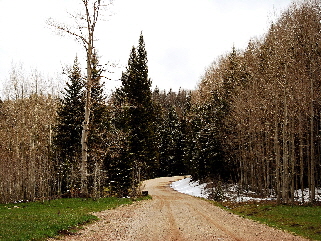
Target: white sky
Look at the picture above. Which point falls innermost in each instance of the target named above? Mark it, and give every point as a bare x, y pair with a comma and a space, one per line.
182, 36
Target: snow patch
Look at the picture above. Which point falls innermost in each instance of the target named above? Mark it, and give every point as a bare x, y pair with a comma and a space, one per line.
190, 187
232, 192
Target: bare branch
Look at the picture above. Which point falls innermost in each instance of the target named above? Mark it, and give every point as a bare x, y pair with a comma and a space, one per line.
89, 19
66, 29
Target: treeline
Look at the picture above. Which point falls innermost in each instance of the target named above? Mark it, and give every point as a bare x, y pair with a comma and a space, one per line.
254, 119
26, 130
136, 134
267, 104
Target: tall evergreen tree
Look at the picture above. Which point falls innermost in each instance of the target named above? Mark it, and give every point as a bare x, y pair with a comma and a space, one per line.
98, 120
68, 130
136, 97
98, 129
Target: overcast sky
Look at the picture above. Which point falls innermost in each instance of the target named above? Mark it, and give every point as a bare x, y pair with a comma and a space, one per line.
182, 36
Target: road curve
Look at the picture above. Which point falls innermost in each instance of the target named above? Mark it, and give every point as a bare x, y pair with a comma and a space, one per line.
174, 216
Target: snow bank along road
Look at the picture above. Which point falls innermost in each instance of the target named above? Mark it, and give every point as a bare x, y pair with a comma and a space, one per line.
174, 216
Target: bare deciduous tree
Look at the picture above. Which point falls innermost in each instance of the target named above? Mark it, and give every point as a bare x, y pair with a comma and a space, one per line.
276, 106
87, 21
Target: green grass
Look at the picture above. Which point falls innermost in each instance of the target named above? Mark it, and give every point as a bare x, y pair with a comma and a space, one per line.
40, 220
301, 220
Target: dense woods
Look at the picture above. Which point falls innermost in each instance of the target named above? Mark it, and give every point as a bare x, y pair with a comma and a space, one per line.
26, 128
253, 120
270, 94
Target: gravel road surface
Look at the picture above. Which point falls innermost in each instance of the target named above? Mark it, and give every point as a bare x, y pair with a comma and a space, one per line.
174, 216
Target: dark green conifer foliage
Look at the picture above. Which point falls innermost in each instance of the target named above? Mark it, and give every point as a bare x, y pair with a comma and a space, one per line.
170, 155
98, 128
69, 128
139, 115
117, 163
172, 132
211, 128
206, 158
99, 120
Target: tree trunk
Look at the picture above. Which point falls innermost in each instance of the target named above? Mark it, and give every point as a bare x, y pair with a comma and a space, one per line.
277, 162
312, 161
285, 176
301, 160
292, 159
85, 131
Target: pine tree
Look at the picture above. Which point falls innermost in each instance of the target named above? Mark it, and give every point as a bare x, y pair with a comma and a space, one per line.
68, 130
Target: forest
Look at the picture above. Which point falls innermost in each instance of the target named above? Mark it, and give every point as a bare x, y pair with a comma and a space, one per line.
254, 120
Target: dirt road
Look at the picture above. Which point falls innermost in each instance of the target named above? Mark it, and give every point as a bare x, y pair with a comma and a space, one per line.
174, 216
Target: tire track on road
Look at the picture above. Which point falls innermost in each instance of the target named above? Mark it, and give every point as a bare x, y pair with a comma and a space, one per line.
172, 216
210, 220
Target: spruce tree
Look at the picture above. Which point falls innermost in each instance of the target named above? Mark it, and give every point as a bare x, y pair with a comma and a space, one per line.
98, 120
139, 115
68, 130
98, 130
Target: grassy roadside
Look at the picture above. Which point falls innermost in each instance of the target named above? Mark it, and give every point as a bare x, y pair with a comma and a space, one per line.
301, 220
40, 220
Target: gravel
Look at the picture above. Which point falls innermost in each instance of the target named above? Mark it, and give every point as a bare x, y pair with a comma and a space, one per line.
174, 216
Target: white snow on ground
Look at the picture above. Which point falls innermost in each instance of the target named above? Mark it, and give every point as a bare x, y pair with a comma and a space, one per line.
189, 187
231, 192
